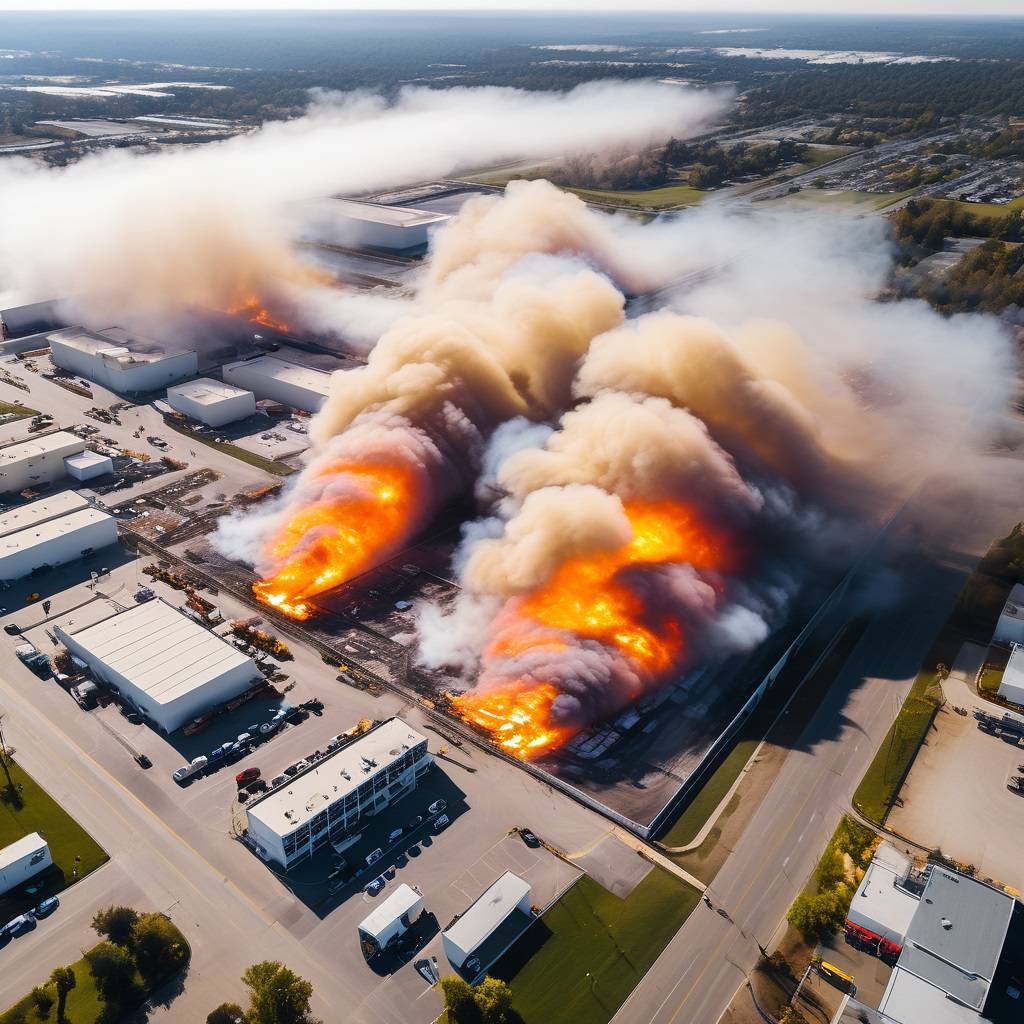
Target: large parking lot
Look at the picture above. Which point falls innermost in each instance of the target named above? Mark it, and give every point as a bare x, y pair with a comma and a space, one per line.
955, 798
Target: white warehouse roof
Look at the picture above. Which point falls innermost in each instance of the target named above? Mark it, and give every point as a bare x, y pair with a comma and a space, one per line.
161, 652
284, 809
398, 216
34, 447
403, 900
24, 847
485, 917
206, 391
36, 512
50, 530
307, 377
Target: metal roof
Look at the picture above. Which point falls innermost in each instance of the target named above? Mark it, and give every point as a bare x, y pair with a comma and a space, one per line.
400, 902
40, 511
33, 447
43, 533
878, 902
396, 216
330, 779
308, 377
206, 391
24, 847
910, 998
488, 912
83, 460
160, 651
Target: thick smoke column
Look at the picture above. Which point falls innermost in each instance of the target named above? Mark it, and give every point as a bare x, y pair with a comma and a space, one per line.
213, 225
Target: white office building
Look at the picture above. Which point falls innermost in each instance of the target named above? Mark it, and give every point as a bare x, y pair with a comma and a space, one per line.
489, 927
37, 460
390, 920
168, 665
331, 800
22, 860
1010, 627
51, 531
119, 362
291, 384
211, 401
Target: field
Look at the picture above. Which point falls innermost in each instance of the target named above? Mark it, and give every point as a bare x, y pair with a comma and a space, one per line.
75, 853
991, 211
645, 199
877, 791
83, 1005
590, 931
870, 200
267, 465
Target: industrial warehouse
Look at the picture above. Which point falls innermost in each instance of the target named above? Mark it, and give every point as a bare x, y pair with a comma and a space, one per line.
291, 384
37, 460
211, 401
51, 531
169, 666
326, 802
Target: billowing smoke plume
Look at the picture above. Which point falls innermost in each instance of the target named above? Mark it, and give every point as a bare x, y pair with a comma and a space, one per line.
212, 225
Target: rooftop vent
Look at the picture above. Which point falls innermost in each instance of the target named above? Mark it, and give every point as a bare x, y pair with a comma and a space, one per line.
947, 924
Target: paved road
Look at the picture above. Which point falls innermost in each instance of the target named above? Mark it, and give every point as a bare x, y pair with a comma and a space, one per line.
697, 975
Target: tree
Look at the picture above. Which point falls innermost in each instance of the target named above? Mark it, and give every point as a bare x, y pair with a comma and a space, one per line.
157, 946
116, 924
459, 1002
818, 916
277, 995
64, 981
227, 1013
114, 970
494, 999
43, 1002
791, 1015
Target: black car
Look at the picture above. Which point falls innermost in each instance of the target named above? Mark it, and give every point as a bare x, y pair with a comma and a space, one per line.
415, 823
11, 629
142, 761
529, 838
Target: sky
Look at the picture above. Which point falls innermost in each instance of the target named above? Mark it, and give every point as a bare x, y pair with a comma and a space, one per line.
932, 7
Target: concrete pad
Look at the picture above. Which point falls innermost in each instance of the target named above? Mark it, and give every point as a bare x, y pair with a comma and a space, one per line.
616, 866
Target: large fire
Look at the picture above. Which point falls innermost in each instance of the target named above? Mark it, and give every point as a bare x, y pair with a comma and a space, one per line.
362, 518
253, 309
590, 597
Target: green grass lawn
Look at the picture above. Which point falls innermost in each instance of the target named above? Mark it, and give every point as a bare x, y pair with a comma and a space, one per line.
989, 680
589, 929
873, 200
67, 839
267, 465
645, 199
991, 211
83, 1005
19, 410
877, 790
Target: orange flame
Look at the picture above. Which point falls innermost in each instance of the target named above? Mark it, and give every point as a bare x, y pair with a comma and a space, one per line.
590, 597
364, 518
253, 309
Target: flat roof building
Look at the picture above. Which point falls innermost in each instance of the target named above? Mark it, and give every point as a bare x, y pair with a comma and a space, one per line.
292, 384
88, 465
373, 225
119, 362
37, 460
23, 859
169, 666
211, 401
1011, 686
326, 802
489, 927
951, 930
391, 919
52, 531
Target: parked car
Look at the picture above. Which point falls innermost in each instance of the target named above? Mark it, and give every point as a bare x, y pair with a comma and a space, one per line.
195, 766
242, 742
441, 823
375, 886
374, 856
22, 923
257, 786
278, 780
529, 838
415, 823
12, 629
142, 761
145, 594
47, 907
395, 835
270, 727
471, 966
247, 776
437, 807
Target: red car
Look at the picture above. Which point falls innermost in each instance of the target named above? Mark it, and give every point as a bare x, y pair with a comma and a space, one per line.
247, 776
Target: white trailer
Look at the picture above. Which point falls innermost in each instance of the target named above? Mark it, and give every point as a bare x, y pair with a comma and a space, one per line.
391, 920
22, 860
